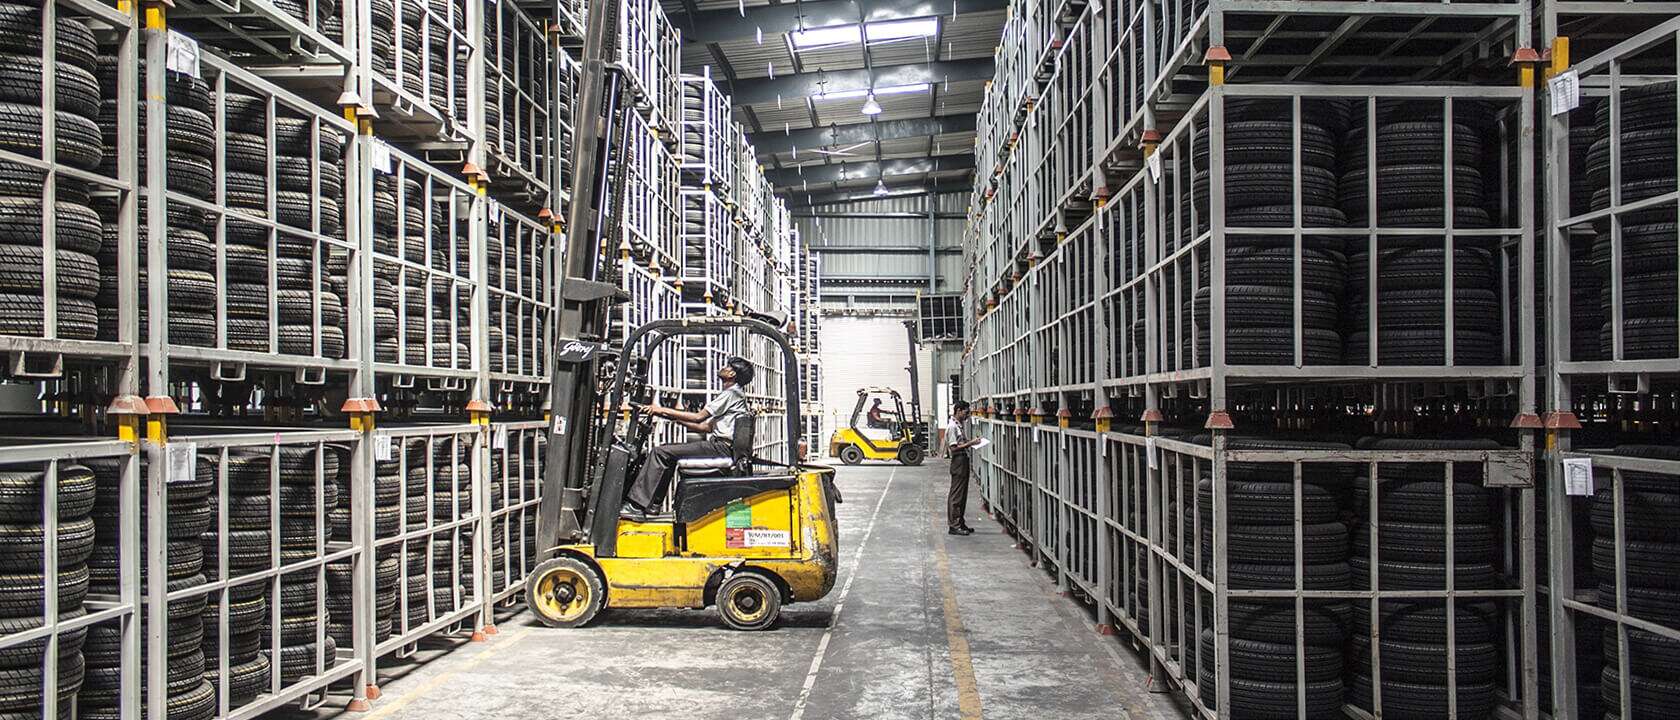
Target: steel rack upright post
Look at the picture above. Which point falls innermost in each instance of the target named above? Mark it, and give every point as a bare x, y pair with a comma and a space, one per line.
1611, 318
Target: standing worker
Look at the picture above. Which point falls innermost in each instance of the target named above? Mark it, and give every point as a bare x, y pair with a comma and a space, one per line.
958, 443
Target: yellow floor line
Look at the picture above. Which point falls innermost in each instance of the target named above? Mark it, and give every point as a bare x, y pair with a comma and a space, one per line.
962, 664
442, 678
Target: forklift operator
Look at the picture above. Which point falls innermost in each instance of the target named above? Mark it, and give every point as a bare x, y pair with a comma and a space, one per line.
716, 421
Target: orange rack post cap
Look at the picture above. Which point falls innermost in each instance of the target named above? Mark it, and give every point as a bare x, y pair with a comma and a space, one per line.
1527, 421
161, 405
128, 405
361, 405
1150, 416
1525, 55
479, 406
1216, 53
1219, 420
1562, 420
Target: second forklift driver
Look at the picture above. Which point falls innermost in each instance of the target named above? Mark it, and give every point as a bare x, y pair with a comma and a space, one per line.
716, 421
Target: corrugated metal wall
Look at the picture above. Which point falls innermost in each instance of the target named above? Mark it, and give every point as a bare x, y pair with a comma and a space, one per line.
891, 278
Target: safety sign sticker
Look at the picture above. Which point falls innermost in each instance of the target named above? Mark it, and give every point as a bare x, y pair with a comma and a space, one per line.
759, 537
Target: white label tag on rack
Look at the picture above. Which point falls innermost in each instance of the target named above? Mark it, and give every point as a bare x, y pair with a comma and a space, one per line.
1152, 453
181, 54
1565, 90
381, 157
498, 441
183, 462
559, 426
1154, 163
382, 448
493, 211
1578, 476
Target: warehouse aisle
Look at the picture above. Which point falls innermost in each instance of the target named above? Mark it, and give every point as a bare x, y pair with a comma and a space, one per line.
895, 652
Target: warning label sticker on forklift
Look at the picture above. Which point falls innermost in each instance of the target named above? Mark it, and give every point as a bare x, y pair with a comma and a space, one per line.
758, 537
737, 515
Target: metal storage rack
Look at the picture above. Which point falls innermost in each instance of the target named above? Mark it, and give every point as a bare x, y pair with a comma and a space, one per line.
1151, 243
705, 150
344, 243
294, 238
1611, 337
524, 72
939, 318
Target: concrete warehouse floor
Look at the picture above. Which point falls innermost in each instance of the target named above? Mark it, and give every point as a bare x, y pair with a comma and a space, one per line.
921, 625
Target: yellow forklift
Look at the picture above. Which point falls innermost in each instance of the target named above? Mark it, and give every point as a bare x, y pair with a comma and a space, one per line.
742, 533
908, 433
853, 445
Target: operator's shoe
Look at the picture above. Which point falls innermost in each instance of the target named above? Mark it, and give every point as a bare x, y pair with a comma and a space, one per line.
961, 531
631, 512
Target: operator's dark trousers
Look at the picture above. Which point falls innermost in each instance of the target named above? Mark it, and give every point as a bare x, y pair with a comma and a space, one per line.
649, 487
957, 504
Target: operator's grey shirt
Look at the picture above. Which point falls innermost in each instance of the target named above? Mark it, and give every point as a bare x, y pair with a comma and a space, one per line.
725, 408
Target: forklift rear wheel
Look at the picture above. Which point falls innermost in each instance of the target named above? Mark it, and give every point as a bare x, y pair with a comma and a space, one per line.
749, 601
565, 592
910, 455
851, 455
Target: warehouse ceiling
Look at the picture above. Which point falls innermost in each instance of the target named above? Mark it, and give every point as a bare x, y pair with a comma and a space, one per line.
801, 74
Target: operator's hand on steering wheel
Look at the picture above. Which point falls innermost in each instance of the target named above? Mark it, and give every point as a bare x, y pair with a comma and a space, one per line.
650, 410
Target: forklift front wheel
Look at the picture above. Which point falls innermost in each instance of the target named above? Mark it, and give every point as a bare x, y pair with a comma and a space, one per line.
851, 455
749, 601
911, 455
565, 592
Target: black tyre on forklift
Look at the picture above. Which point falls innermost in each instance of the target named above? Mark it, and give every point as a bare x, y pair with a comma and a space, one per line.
851, 455
565, 592
749, 601
911, 454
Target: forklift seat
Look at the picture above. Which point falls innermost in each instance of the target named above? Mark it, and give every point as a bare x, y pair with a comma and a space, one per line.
739, 462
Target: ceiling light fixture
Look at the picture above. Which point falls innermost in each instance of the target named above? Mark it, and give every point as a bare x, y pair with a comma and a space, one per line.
870, 107
880, 187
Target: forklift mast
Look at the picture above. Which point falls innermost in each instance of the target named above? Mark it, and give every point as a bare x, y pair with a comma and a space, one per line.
919, 425
587, 292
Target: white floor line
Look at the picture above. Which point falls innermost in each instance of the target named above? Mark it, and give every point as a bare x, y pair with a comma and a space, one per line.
840, 604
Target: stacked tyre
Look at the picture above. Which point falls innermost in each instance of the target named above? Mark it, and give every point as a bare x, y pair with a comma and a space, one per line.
22, 598
1650, 502
399, 233
1260, 166
76, 112
189, 516
385, 28
1260, 553
693, 150
191, 148
1650, 283
387, 484
1412, 540
250, 534
1411, 288
309, 188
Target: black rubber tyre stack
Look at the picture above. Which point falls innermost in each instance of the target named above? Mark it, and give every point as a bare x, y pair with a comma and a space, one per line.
23, 538
1411, 182
308, 195
1648, 142
22, 207
1260, 157
191, 173
1260, 550
1412, 504
189, 516
1411, 293
1652, 550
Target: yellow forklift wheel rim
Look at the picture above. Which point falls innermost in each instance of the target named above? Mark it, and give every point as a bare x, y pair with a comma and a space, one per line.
744, 616
551, 606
